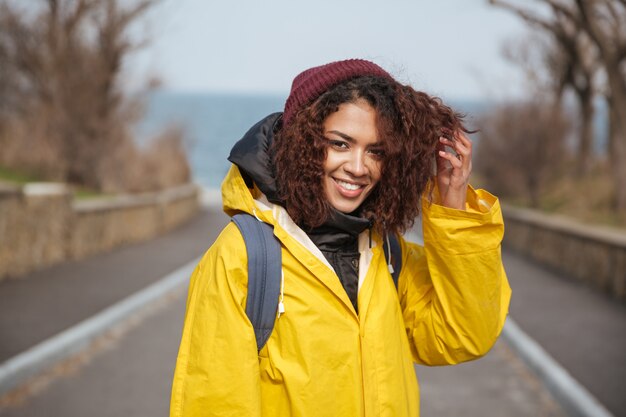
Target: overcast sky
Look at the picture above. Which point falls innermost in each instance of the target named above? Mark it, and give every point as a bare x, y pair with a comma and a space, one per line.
450, 48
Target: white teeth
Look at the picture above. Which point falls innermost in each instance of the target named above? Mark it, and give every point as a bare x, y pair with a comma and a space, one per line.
348, 186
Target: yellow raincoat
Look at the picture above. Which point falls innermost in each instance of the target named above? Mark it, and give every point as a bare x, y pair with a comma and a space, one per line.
323, 359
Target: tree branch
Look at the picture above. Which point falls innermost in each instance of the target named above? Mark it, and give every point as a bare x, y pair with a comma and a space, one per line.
524, 14
591, 26
557, 6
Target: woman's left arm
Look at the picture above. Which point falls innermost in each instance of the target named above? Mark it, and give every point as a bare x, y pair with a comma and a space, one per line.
453, 291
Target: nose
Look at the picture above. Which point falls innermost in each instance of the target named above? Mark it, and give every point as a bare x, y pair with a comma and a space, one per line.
356, 165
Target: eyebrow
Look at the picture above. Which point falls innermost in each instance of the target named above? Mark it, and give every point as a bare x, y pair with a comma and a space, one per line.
343, 135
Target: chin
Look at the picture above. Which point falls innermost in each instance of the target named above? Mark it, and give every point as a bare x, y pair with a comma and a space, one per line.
346, 208
343, 204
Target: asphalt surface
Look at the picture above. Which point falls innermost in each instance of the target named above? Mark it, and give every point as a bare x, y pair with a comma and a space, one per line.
129, 372
126, 375
131, 376
581, 328
41, 304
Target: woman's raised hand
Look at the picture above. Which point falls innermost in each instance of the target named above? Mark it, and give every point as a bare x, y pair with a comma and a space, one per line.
453, 170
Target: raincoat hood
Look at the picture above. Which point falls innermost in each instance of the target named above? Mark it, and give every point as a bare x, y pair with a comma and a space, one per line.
252, 156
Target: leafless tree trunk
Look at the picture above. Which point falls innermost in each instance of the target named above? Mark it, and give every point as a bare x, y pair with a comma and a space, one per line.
587, 112
65, 65
604, 21
573, 65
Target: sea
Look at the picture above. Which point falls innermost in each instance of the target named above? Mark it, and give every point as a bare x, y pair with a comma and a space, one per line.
213, 122
211, 125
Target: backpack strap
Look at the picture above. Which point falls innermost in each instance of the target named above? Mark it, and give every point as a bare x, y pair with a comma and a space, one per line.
264, 274
396, 256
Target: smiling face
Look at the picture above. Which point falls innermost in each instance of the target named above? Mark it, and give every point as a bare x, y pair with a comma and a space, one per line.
354, 155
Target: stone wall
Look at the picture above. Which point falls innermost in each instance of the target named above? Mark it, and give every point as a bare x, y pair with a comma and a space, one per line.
42, 224
593, 254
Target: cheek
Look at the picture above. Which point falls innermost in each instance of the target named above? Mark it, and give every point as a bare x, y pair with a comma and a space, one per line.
331, 162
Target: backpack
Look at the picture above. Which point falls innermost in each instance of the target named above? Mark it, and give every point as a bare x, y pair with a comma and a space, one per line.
265, 272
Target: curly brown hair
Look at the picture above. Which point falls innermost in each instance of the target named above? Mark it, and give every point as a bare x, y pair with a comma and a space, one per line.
409, 125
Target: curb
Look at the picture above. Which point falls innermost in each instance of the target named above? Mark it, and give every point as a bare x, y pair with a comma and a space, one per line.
20, 368
572, 396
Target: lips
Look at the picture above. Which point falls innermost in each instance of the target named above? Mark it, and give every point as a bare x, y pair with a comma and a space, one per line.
348, 189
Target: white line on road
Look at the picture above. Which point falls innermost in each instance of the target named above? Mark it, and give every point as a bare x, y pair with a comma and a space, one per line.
20, 368
576, 400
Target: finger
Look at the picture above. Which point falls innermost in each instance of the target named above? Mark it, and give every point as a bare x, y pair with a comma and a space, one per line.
445, 142
461, 149
453, 159
441, 147
458, 137
462, 139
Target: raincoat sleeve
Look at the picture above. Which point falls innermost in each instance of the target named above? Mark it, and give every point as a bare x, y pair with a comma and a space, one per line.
453, 290
217, 371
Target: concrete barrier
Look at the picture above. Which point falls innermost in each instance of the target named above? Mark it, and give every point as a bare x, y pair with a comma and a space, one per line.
592, 254
42, 224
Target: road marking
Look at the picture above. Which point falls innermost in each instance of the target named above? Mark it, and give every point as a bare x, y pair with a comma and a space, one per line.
26, 365
574, 398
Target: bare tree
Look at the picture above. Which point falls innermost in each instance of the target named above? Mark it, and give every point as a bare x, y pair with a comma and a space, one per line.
572, 63
604, 21
521, 149
65, 98
589, 30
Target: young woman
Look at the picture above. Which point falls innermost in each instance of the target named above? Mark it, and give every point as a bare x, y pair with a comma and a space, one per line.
349, 162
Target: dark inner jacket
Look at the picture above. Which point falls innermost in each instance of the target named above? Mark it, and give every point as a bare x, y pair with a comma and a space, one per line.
337, 238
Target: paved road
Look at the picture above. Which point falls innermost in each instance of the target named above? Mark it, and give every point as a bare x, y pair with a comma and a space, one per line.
43, 303
129, 374
584, 330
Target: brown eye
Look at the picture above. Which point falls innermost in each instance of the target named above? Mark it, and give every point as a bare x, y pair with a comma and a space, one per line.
377, 152
337, 144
